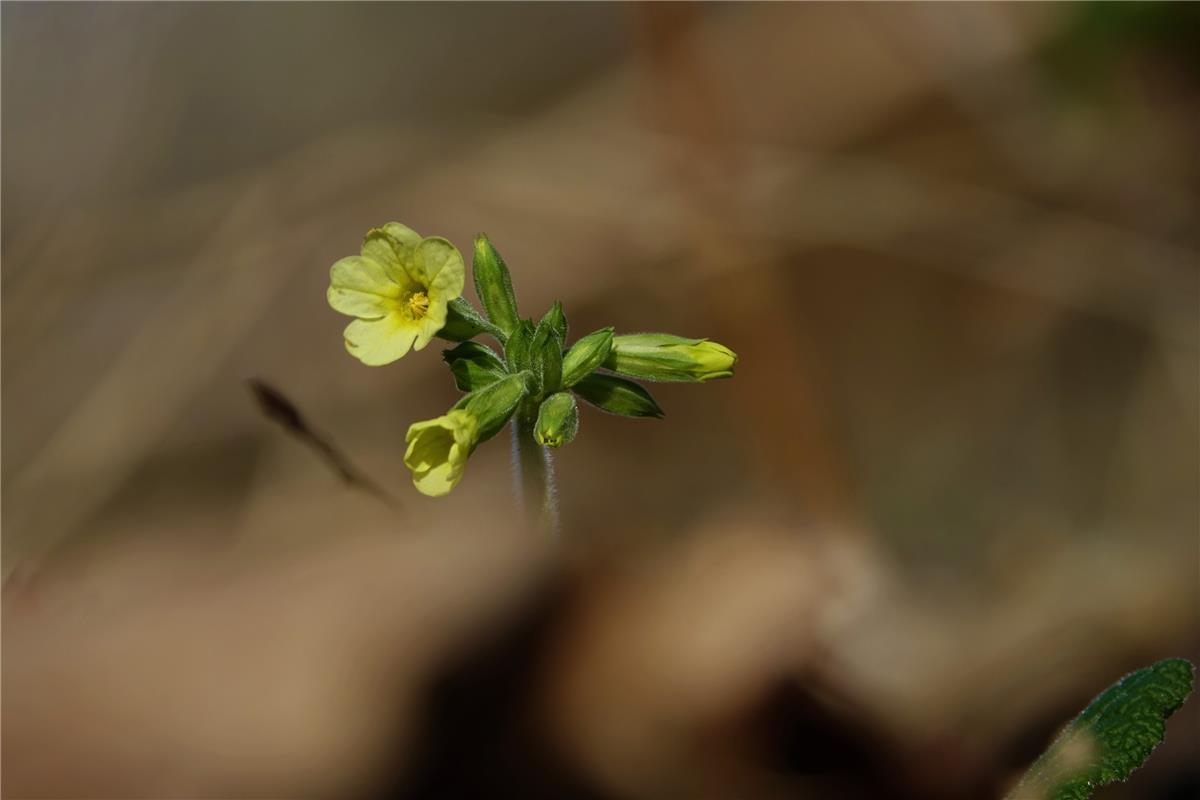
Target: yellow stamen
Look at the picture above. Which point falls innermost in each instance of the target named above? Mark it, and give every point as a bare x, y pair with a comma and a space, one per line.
418, 304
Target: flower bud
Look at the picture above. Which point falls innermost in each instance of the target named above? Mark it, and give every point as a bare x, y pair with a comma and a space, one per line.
585, 356
438, 448
493, 284
557, 420
664, 357
545, 352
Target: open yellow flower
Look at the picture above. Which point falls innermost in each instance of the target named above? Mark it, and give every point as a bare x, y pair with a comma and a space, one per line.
438, 450
398, 288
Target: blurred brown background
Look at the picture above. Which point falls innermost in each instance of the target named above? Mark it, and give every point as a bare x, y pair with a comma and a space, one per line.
955, 247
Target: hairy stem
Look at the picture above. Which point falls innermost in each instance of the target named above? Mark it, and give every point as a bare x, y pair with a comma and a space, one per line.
535, 475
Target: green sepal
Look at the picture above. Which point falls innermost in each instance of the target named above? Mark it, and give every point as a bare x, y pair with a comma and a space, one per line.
494, 404
617, 396
557, 420
474, 365
585, 356
545, 350
493, 284
463, 323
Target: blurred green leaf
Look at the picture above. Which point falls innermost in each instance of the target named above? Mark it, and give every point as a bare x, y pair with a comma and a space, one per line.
1113, 736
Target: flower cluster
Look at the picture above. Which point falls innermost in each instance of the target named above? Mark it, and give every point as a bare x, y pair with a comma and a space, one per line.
404, 289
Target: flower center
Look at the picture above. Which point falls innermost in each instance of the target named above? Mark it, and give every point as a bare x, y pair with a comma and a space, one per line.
418, 304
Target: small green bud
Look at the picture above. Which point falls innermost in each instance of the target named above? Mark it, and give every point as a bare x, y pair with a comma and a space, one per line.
516, 349
463, 322
664, 357
557, 420
585, 356
557, 320
493, 405
474, 365
545, 353
493, 284
617, 396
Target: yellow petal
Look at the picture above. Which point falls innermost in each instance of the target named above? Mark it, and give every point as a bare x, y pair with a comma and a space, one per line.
379, 341
358, 304
429, 325
402, 233
438, 265
362, 275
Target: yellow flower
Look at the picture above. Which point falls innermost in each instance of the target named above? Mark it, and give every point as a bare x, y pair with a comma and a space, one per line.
398, 288
438, 450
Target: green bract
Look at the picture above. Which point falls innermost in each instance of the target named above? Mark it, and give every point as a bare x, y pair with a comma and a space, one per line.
405, 289
617, 396
474, 365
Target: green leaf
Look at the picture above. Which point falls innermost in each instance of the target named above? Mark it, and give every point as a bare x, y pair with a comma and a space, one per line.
617, 396
585, 356
474, 365
463, 322
1113, 736
493, 284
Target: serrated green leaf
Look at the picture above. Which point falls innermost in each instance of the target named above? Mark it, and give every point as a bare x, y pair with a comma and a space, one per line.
617, 396
1113, 736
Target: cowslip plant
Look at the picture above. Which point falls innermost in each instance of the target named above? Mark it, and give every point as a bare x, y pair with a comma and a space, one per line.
404, 289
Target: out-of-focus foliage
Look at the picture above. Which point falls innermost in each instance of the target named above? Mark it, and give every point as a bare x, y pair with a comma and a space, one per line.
1098, 36
1113, 736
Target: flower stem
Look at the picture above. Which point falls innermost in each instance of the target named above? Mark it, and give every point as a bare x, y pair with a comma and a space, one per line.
535, 475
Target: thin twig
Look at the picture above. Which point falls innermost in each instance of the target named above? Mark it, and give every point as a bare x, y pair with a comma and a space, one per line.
279, 409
